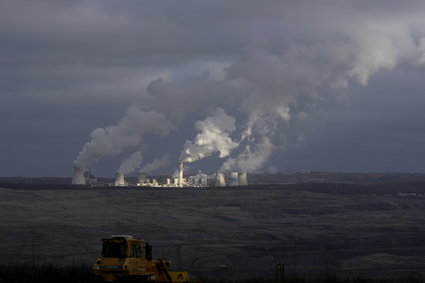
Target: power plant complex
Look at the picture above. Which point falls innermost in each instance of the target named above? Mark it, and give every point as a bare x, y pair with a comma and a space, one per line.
219, 179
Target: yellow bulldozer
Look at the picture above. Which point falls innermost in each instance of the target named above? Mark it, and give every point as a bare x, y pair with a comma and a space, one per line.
126, 257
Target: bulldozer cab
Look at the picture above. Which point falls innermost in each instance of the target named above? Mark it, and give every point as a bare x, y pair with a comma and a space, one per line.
114, 248
125, 247
125, 256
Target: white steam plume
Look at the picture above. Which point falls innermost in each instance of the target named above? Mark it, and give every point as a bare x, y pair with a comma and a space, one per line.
283, 77
213, 137
157, 163
128, 132
131, 163
282, 81
270, 83
250, 160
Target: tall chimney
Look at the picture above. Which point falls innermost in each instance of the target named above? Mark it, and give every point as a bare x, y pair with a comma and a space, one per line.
243, 180
119, 179
141, 178
181, 167
234, 179
219, 180
78, 177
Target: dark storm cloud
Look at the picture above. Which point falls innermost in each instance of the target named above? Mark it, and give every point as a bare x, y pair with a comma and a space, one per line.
282, 69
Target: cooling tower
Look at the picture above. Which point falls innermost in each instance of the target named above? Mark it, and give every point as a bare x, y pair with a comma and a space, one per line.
219, 180
243, 180
181, 167
234, 179
141, 178
78, 177
119, 179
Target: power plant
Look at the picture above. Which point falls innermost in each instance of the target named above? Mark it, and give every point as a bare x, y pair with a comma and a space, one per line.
180, 174
234, 179
213, 137
78, 178
83, 176
119, 179
220, 180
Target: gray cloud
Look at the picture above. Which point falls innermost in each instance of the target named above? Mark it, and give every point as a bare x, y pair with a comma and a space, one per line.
281, 69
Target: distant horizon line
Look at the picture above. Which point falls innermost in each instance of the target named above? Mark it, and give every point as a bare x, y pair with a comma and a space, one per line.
255, 173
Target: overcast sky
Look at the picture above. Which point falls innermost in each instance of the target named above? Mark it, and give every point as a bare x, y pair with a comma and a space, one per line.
259, 86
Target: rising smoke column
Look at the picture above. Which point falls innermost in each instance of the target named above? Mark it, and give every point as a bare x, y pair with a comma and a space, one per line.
131, 163
213, 137
277, 79
301, 74
155, 164
128, 132
251, 159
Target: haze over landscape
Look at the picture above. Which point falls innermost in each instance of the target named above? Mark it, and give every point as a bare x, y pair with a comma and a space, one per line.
276, 86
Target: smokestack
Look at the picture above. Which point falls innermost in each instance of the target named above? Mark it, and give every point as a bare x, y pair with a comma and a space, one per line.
234, 179
243, 180
78, 177
119, 179
141, 178
219, 180
181, 167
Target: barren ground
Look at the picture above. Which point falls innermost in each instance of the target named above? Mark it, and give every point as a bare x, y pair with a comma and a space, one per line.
228, 232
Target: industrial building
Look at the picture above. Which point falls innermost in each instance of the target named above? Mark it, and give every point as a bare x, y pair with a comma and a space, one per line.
200, 180
83, 177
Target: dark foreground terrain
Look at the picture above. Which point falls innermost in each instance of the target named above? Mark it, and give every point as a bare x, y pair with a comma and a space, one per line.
226, 233
81, 274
